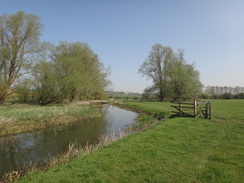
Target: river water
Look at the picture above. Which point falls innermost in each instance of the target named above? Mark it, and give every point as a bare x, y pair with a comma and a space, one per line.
35, 147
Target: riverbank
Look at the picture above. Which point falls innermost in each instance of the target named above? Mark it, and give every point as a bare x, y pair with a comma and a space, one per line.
15, 119
174, 150
160, 110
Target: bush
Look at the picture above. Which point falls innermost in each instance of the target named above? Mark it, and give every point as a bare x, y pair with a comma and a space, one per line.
239, 96
227, 96
23, 92
205, 96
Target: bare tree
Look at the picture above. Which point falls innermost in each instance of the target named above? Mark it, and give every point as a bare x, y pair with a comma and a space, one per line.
19, 42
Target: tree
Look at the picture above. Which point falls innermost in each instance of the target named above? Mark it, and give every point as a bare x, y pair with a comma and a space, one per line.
23, 91
227, 96
149, 93
172, 76
179, 77
224, 92
156, 68
87, 75
73, 72
19, 42
48, 84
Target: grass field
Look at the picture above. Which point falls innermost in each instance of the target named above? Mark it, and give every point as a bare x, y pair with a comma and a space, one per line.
228, 110
21, 118
174, 150
153, 108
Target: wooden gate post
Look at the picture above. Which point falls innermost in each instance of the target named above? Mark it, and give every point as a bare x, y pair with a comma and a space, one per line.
195, 109
199, 109
210, 109
206, 110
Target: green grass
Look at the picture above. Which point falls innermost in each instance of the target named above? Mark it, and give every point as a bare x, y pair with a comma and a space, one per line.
153, 108
174, 150
21, 118
126, 96
231, 110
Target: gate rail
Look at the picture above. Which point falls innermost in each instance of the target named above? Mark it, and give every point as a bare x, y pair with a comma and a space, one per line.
193, 109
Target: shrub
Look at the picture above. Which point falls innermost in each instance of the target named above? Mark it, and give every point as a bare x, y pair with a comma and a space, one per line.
227, 96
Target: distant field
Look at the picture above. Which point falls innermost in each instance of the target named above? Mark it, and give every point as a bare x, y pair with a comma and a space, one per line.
231, 110
125, 96
174, 150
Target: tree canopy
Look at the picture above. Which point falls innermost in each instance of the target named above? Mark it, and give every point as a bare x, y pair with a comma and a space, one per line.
73, 72
19, 42
172, 77
44, 72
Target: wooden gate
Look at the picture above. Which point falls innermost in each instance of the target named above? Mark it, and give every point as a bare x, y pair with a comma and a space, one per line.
193, 109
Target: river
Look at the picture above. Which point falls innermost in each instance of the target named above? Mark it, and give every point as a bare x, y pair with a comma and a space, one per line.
17, 151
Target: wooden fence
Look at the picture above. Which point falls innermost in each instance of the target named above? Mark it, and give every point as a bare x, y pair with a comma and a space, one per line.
193, 109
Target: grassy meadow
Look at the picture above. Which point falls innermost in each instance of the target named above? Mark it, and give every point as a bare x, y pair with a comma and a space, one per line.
173, 150
22, 118
228, 110
152, 108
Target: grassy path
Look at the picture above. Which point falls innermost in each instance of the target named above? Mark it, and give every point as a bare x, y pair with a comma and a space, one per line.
174, 150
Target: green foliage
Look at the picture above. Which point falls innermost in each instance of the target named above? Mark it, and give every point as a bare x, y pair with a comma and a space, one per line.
155, 68
149, 94
19, 35
227, 96
74, 72
184, 80
239, 96
226, 92
172, 77
125, 96
49, 85
175, 150
205, 96
66, 72
23, 92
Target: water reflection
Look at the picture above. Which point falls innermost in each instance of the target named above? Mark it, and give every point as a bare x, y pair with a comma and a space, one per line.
19, 150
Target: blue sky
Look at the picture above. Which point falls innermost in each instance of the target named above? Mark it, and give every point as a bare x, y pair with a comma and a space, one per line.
122, 33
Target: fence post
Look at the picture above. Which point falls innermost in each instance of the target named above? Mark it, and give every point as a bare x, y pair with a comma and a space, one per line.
210, 109
195, 108
179, 105
206, 110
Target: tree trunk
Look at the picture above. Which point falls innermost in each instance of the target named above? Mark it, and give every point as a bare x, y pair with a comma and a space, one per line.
46, 102
2, 100
71, 98
161, 97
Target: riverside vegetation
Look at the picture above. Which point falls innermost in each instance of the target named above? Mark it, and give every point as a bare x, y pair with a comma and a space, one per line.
173, 150
16, 119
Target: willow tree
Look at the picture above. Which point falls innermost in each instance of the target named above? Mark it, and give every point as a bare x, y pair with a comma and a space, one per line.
19, 42
73, 72
184, 78
172, 77
87, 75
156, 67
